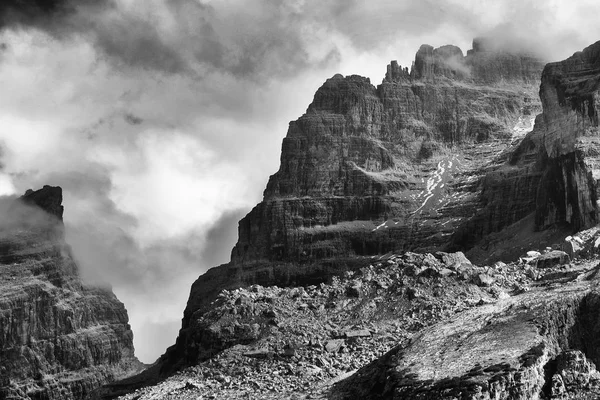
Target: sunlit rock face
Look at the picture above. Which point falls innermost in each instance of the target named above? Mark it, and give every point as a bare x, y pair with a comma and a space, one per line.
59, 339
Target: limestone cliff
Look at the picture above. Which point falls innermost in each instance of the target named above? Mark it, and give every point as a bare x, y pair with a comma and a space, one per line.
59, 339
538, 345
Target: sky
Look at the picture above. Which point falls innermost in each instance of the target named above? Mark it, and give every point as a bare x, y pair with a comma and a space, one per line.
163, 119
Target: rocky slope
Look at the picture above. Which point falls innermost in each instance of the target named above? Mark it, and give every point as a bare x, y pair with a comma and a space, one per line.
540, 344
296, 343
59, 339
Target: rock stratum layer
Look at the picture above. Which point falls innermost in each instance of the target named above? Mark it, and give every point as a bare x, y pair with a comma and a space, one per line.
59, 339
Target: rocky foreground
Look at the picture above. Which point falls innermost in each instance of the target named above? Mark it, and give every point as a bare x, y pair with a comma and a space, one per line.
403, 321
59, 339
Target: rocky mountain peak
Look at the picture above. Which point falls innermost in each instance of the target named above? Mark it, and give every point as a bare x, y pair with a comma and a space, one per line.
446, 61
487, 62
49, 199
377, 187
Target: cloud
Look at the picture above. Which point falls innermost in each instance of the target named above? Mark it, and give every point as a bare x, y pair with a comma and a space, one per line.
162, 120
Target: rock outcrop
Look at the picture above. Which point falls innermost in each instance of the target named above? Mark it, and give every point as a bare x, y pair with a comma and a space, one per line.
59, 339
444, 157
543, 343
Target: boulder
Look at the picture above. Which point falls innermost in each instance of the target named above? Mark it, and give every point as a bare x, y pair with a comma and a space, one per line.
334, 345
552, 258
483, 280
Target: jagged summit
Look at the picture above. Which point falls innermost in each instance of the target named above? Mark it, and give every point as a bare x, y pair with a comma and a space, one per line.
430, 161
487, 62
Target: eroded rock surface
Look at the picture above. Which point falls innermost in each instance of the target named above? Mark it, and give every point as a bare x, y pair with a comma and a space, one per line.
296, 342
59, 339
447, 156
539, 344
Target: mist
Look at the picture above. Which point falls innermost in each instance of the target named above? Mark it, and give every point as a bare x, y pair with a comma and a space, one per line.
162, 120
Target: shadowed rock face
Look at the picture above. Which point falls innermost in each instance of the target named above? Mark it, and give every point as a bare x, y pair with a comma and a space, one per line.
59, 339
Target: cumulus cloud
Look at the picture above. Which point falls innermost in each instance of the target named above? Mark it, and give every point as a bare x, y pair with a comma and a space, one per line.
162, 120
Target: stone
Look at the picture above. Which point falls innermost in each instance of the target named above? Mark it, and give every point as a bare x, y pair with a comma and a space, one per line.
552, 258
453, 260
354, 289
573, 246
259, 353
357, 333
575, 369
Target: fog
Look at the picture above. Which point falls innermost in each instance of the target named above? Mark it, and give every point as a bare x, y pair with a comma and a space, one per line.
162, 120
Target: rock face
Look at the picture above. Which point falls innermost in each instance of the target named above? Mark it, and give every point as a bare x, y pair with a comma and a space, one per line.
59, 339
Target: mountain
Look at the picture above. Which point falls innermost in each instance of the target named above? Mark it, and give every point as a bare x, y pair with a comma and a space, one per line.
431, 159
59, 338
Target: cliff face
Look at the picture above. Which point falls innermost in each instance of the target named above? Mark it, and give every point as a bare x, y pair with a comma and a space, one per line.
569, 94
554, 170
445, 156
59, 339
